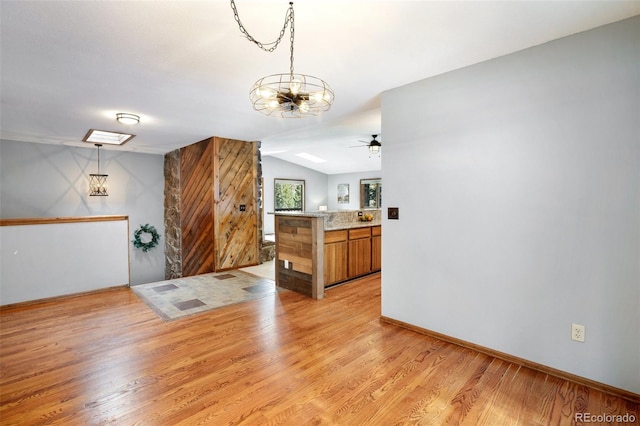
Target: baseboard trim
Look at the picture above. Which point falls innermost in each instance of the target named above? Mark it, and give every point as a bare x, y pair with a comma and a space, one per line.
29, 303
617, 392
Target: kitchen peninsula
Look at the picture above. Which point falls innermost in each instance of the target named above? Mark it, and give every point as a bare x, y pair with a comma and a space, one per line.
315, 250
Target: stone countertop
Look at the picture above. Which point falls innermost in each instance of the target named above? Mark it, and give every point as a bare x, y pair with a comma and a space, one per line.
303, 214
336, 220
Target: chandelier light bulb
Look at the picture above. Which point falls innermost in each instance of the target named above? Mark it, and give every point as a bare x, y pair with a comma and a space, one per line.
317, 96
266, 93
295, 86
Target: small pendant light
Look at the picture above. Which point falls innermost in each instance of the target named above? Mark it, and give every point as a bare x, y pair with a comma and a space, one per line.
97, 181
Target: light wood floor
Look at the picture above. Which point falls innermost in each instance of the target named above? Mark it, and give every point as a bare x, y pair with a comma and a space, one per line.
286, 359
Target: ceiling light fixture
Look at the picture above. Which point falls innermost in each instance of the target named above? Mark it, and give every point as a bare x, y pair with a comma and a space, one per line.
287, 95
106, 137
97, 181
375, 146
126, 118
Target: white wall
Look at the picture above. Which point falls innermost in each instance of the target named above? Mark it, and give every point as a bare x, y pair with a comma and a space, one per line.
315, 186
518, 183
40, 180
353, 179
39, 261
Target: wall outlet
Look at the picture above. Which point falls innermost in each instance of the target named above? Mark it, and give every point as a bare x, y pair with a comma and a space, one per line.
577, 332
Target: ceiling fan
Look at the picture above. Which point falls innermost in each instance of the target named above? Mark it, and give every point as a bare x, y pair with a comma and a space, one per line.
374, 145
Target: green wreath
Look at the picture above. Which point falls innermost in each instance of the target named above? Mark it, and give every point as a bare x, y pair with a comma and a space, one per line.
146, 229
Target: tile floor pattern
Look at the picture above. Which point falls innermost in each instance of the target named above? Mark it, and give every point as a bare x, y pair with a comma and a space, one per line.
181, 297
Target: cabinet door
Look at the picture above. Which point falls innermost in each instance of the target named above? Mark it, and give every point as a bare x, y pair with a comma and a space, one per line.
376, 253
359, 257
335, 262
376, 248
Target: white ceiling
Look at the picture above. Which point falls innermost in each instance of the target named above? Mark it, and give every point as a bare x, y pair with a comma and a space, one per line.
185, 68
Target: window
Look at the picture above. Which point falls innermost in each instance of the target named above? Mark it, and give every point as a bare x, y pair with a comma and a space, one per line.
288, 195
370, 193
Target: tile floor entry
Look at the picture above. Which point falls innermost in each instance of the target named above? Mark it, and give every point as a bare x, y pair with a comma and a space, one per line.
181, 297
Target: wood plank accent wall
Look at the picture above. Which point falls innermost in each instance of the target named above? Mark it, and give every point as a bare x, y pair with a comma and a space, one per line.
196, 217
236, 185
300, 254
217, 176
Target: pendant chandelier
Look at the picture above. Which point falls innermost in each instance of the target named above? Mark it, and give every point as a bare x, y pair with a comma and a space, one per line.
97, 181
288, 95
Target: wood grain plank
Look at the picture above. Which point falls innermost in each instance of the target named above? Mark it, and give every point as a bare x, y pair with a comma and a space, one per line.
285, 359
218, 176
196, 213
335, 236
54, 220
235, 164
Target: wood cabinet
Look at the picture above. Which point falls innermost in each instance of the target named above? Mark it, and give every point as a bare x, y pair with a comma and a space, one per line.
359, 251
309, 259
350, 253
376, 248
335, 256
300, 254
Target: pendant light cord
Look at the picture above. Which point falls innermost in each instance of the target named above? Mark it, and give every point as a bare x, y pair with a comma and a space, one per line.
98, 146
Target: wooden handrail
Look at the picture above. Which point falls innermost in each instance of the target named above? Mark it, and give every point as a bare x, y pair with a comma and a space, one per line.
54, 220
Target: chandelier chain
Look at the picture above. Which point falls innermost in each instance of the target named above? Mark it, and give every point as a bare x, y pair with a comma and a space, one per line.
291, 37
274, 44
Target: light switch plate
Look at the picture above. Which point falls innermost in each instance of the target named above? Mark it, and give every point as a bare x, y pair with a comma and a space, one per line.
393, 213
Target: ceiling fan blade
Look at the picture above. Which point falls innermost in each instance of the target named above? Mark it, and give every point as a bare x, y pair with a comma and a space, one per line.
373, 142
